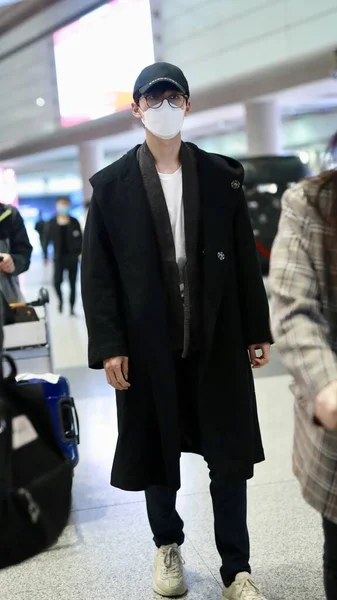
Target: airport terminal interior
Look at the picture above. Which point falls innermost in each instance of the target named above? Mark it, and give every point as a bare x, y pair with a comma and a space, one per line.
263, 80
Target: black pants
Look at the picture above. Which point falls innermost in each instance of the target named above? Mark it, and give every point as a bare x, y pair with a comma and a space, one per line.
229, 500
330, 559
62, 264
43, 248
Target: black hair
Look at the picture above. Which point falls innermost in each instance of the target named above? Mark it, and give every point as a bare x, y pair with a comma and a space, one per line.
326, 208
327, 181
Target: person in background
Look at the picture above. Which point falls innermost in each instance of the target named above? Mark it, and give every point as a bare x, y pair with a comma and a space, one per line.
65, 234
177, 314
303, 283
40, 228
332, 146
15, 252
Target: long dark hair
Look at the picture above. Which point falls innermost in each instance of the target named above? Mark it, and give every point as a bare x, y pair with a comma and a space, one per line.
325, 202
327, 182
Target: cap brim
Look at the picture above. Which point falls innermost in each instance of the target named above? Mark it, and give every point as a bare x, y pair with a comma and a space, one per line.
149, 85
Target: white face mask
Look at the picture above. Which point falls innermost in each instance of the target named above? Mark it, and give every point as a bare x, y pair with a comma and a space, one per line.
164, 122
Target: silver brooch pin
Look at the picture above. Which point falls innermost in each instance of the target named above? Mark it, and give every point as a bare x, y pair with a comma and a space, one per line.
235, 184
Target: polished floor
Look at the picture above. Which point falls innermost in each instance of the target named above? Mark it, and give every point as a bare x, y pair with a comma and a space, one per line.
106, 552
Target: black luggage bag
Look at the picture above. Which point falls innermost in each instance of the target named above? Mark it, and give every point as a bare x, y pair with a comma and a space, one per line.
35, 477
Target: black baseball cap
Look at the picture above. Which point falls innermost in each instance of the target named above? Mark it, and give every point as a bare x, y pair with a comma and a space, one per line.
157, 73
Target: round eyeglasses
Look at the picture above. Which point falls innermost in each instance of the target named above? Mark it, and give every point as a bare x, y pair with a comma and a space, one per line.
156, 100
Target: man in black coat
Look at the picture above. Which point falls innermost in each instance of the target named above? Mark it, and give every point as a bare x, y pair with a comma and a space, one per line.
40, 228
177, 315
65, 234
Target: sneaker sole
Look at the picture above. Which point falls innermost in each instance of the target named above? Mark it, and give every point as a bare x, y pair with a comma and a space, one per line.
176, 594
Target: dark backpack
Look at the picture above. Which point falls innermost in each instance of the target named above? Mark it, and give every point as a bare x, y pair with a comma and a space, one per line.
35, 477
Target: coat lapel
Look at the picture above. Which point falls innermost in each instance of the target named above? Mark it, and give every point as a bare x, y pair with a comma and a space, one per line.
191, 198
134, 227
135, 232
158, 207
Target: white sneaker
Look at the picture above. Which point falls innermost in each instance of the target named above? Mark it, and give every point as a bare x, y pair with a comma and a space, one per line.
169, 580
243, 588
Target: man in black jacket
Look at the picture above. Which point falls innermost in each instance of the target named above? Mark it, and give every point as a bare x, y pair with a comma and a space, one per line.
40, 228
177, 315
15, 252
64, 232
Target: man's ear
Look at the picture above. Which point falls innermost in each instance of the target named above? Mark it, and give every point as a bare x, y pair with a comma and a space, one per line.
188, 108
136, 110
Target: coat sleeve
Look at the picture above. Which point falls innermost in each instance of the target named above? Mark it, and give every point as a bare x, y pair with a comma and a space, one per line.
20, 246
299, 326
253, 297
101, 292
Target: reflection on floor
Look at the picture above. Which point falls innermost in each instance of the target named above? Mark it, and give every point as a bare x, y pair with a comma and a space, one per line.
106, 552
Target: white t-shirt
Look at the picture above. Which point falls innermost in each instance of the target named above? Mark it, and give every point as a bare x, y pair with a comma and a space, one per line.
172, 184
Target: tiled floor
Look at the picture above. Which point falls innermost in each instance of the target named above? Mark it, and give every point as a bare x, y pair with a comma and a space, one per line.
106, 551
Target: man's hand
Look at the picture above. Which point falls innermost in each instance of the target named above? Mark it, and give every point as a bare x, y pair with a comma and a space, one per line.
7, 264
117, 372
326, 406
261, 360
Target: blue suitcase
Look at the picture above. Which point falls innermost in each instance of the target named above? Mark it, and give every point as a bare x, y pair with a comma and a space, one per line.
63, 414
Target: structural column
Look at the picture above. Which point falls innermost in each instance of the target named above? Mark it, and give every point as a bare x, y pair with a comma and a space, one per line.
91, 157
263, 126
157, 7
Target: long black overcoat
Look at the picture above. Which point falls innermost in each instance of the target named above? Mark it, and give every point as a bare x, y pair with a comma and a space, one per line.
125, 310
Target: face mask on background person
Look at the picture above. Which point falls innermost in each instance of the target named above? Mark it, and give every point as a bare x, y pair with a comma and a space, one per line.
63, 210
164, 122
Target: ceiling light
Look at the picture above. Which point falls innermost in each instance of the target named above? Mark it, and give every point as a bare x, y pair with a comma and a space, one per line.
40, 101
6, 2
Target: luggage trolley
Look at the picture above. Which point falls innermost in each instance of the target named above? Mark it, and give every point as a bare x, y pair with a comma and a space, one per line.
29, 344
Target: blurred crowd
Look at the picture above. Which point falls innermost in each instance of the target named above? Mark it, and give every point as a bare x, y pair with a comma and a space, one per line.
60, 240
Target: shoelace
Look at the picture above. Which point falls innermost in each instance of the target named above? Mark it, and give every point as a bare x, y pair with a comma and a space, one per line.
248, 589
173, 561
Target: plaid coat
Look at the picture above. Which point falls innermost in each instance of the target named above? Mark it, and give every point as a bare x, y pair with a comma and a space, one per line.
303, 320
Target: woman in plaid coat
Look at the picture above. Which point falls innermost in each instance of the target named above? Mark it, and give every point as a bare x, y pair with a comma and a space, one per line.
304, 305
